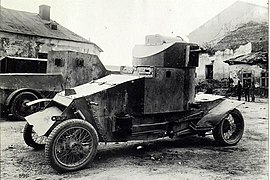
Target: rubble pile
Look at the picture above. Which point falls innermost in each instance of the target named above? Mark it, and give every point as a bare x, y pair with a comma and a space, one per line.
223, 88
213, 86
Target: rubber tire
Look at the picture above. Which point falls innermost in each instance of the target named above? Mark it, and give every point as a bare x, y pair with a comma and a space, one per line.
49, 147
27, 136
218, 132
14, 104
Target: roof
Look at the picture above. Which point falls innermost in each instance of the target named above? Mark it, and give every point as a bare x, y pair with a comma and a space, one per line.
251, 59
27, 23
155, 44
141, 51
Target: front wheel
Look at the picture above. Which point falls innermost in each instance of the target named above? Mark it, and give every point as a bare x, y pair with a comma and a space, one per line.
32, 139
71, 145
230, 130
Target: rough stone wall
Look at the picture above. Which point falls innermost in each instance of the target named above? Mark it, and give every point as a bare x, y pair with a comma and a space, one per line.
12, 44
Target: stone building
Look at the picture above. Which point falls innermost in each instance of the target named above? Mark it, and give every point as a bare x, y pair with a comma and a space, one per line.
214, 67
250, 68
31, 35
247, 39
237, 31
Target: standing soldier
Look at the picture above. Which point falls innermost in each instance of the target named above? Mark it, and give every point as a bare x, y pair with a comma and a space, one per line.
239, 90
246, 90
252, 91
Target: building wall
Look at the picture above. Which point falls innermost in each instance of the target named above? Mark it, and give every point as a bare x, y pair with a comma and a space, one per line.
220, 69
12, 44
236, 73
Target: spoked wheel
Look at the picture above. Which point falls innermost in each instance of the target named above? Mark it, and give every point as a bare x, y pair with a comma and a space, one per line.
32, 139
18, 106
71, 145
230, 130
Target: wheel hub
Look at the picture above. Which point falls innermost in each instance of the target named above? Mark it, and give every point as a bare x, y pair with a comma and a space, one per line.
230, 127
75, 147
23, 107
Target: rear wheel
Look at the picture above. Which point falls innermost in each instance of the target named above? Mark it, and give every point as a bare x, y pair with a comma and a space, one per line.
32, 139
230, 130
71, 145
18, 106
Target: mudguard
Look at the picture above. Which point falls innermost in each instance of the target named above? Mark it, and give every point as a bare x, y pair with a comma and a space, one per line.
216, 114
42, 120
18, 91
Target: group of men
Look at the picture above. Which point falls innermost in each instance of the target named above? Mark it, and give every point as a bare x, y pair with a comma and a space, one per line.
248, 89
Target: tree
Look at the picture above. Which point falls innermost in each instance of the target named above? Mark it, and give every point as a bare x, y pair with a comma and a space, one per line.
209, 48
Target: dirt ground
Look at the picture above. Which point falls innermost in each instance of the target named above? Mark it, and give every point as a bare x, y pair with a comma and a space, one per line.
181, 158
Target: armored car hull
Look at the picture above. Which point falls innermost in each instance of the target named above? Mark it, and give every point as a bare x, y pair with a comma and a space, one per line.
155, 98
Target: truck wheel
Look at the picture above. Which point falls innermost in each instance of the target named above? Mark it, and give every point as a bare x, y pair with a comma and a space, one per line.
18, 106
71, 145
230, 130
32, 139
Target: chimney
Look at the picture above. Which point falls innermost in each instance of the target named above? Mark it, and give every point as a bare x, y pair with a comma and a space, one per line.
44, 12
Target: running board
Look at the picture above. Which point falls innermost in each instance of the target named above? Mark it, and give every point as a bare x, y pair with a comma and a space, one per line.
149, 132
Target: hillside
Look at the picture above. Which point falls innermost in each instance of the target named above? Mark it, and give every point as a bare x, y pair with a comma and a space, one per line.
256, 33
228, 20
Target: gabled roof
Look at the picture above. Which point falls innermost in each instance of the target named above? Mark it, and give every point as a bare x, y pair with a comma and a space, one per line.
27, 23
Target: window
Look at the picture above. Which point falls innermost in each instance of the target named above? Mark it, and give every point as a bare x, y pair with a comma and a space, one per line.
59, 62
247, 77
209, 71
168, 74
264, 79
54, 26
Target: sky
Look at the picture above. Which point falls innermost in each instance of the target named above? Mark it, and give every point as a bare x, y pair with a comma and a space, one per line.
117, 25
